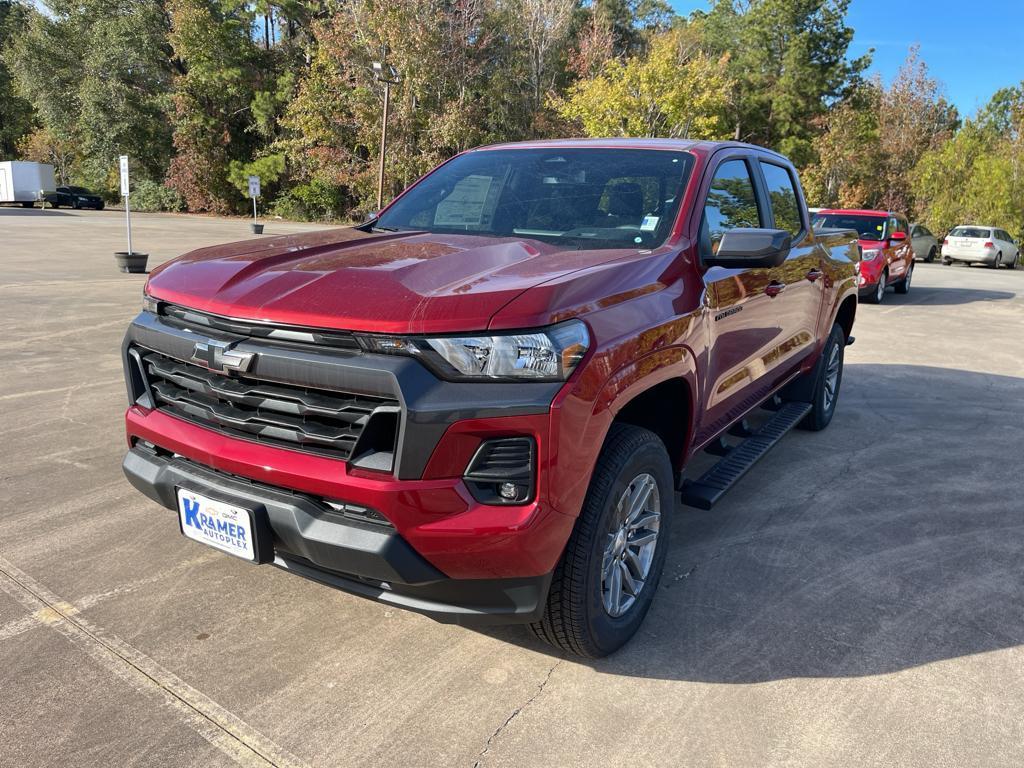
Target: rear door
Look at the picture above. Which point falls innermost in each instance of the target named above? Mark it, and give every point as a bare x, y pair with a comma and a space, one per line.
798, 307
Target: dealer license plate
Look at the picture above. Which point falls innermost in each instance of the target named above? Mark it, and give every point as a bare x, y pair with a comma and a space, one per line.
223, 526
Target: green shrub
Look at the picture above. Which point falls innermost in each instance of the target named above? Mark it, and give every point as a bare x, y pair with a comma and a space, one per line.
313, 201
152, 196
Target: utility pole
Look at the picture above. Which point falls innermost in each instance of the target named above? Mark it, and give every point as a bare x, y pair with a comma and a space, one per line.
392, 78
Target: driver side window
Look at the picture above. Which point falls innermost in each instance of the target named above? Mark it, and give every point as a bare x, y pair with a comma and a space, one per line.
731, 203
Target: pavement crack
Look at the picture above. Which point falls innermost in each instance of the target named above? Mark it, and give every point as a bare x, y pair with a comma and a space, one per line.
515, 713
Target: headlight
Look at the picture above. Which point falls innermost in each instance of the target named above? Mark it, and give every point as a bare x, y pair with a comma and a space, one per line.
870, 255
549, 354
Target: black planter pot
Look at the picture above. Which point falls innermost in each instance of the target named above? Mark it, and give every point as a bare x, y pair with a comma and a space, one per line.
134, 262
257, 229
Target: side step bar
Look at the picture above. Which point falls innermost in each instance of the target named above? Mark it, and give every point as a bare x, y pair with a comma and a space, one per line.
708, 490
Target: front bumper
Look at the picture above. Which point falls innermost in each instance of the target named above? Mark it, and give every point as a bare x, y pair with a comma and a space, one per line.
365, 558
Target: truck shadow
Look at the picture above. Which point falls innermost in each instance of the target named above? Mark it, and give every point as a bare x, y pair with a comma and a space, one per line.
893, 539
937, 296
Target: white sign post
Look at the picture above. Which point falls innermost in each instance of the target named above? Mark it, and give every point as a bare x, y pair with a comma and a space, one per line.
125, 192
254, 192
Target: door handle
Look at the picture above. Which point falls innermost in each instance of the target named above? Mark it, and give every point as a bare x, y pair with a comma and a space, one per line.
814, 274
774, 289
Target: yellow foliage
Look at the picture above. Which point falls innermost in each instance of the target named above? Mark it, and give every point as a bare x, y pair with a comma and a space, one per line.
677, 90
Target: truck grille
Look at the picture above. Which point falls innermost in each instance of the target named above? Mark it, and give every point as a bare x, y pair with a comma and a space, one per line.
285, 415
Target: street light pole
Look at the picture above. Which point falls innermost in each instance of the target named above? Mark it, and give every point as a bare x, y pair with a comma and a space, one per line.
383, 144
391, 79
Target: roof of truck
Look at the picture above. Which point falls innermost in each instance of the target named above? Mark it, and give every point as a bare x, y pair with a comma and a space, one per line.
688, 145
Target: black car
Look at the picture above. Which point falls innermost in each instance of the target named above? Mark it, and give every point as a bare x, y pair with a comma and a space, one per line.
74, 197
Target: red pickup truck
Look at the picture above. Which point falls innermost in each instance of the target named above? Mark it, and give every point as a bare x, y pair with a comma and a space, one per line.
479, 404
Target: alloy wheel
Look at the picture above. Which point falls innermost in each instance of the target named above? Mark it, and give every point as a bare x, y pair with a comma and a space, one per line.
832, 377
630, 546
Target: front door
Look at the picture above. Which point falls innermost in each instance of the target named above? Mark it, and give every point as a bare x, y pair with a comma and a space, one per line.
743, 317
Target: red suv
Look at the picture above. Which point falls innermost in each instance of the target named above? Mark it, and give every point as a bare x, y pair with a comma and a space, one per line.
887, 254
479, 405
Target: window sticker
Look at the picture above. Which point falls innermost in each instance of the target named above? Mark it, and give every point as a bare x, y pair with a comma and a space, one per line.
464, 207
649, 224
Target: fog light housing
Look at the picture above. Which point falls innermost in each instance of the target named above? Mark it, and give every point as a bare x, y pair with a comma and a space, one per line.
502, 471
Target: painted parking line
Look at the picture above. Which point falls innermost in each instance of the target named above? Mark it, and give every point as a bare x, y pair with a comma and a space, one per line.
218, 726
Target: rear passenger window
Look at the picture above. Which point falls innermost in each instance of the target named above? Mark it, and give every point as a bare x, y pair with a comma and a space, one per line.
731, 203
782, 193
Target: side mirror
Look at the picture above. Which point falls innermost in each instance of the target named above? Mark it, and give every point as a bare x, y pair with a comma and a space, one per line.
898, 237
751, 248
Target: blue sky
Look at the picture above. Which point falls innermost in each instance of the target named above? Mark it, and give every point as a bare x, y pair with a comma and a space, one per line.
973, 49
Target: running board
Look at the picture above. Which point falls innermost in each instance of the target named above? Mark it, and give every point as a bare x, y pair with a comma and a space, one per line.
708, 490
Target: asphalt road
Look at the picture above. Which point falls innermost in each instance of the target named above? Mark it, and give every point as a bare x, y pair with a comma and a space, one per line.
856, 601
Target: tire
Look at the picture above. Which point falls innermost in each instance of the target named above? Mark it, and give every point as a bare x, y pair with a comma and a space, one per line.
577, 617
100, 206
947, 262
879, 294
903, 286
827, 378
930, 257
1013, 262
76, 206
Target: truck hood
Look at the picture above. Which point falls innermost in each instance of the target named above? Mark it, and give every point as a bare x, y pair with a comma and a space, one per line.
347, 279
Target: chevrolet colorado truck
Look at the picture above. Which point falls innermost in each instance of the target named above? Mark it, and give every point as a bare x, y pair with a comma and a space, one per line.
479, 404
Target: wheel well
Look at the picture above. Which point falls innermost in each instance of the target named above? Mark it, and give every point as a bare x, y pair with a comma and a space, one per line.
665, 410
845, 315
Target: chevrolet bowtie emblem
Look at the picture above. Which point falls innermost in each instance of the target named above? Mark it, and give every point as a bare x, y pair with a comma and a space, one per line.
219, 356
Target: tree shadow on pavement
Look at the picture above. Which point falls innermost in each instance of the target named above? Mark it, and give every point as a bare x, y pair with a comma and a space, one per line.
894, 538
19, 211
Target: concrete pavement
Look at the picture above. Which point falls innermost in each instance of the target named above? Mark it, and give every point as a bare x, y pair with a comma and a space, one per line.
856, 601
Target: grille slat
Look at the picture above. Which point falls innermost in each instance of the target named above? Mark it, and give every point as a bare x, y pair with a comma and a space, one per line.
317, 421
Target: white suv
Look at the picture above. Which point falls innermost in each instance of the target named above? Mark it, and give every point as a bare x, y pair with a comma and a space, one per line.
980, 245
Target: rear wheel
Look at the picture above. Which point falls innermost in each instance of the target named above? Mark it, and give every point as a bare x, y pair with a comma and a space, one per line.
609, 572
821, 386
995, 262
903, 286
931, 256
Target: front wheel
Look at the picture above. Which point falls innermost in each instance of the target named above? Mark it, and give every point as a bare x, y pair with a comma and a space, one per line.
878, 294
1013, 262
609, 572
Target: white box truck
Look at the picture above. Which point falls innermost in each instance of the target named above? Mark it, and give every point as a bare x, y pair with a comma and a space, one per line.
24, 182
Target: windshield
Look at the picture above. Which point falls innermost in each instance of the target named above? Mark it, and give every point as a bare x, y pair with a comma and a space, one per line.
594, 198
79, 190
970, 232
868, 227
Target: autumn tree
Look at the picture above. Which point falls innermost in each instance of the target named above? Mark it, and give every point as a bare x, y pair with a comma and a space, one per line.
978, 175
16, 113
98, 74
676, 90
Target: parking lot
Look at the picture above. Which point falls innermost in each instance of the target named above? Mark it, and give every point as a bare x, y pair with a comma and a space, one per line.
858, 600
